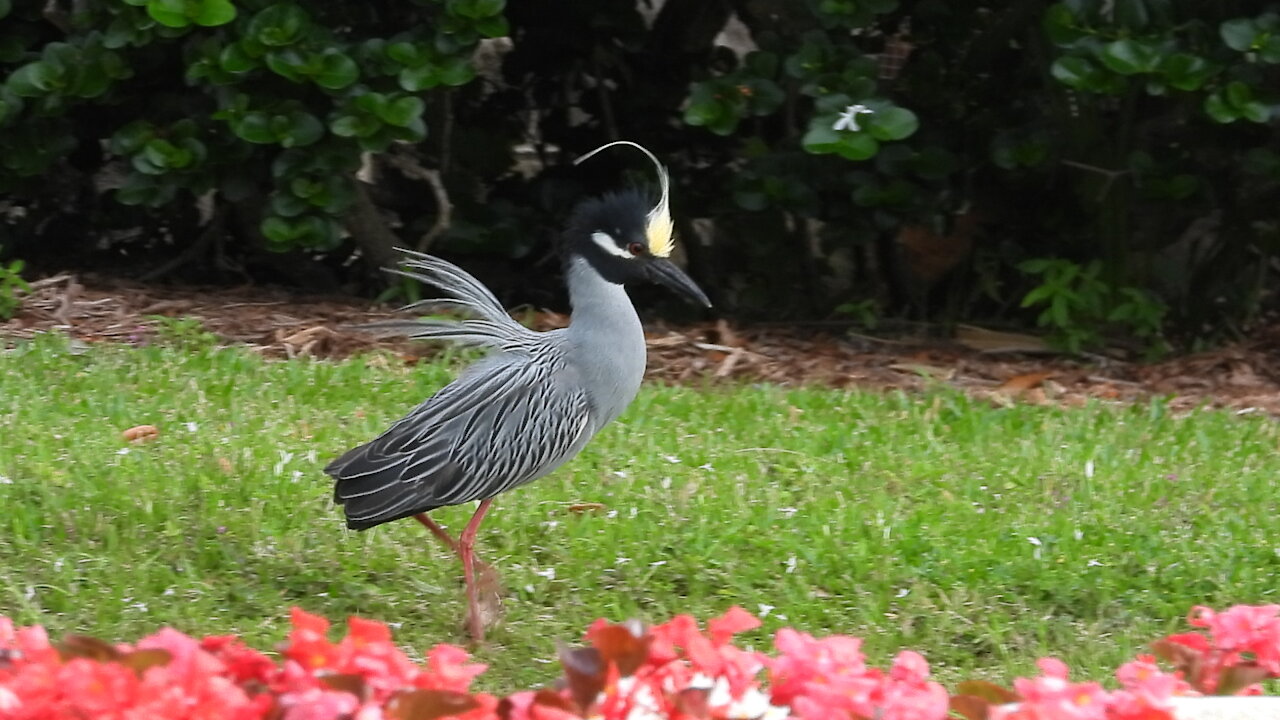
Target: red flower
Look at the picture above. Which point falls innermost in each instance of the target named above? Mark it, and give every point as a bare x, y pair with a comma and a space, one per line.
243, 664
734, 621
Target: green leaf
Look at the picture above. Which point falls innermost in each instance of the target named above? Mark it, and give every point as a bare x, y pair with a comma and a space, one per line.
766, 96
401, 112
145, 190
414, 132
288, 64
337, 71
701, 114
1129, 57
1187, 72
1239, 94
1061, 26
1270, 51
287, 205
5, 7
1255, 112
1216, 107
476, 9
417, 79
353, 126
893, 123
255, 127
212, 13
406, 53
34, 79
279, 25
302, 129
857, 146
456, 71
170, 13
234, 59
1239, 34
278, 230
821, 138
493, 27
10, 105
1075, 72
131, 137
164, 154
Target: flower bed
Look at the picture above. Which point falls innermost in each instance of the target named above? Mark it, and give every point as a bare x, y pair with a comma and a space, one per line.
671, 671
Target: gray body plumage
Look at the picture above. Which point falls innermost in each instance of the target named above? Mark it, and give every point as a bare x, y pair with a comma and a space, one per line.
514, 416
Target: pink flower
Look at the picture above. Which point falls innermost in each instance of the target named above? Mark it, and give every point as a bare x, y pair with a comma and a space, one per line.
318, 704
1053, 697
1251, 629
448, 669
908, 694
805, 661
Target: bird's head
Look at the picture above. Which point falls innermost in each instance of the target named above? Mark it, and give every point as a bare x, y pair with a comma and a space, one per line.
626, 239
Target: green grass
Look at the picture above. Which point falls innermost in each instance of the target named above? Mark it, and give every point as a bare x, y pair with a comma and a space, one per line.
902, 519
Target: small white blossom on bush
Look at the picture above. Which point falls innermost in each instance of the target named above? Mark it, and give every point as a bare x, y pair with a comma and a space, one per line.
848, 119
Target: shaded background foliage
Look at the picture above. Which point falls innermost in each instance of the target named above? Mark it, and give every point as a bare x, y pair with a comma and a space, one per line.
1105, 169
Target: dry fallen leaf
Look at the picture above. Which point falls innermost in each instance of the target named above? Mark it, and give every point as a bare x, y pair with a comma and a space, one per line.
1024, 382
225, 466
141, 434
924, 370
585, 507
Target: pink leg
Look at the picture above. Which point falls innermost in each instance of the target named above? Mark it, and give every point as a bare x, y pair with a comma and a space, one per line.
440, 533
466, 544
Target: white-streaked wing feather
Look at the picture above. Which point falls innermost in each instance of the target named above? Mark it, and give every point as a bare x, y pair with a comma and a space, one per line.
506, 421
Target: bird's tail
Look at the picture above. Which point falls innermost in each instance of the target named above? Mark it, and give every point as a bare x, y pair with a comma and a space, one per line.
488, 326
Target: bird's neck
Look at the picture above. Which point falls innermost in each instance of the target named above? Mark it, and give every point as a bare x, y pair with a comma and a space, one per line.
606, 337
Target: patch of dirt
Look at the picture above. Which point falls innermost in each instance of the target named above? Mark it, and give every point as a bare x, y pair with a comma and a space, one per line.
1002, 368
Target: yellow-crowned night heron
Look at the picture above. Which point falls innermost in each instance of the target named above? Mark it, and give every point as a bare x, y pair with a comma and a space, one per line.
533, 403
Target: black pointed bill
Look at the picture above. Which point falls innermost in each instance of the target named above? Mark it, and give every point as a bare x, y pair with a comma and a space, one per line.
665, 272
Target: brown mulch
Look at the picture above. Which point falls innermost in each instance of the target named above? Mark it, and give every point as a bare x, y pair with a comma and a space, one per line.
1004, 368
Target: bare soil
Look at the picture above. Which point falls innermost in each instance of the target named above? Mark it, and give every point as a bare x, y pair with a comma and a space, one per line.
1003, 368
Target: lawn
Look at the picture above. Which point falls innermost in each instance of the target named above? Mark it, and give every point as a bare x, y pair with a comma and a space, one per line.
983, 537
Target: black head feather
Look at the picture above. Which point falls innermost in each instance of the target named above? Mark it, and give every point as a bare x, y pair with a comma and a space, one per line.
621, 217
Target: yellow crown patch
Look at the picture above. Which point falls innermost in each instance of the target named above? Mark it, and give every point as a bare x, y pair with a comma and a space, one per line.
659, 230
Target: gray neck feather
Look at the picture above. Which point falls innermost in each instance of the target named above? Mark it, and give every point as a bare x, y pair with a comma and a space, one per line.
606, 341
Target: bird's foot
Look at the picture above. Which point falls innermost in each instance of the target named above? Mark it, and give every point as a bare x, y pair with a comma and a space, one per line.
487, 610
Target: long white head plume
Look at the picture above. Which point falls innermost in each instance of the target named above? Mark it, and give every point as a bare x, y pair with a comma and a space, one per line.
658, 229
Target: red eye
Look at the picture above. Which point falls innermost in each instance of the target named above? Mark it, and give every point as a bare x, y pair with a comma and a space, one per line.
635, 248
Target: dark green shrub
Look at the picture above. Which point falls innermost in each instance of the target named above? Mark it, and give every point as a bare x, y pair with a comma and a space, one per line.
920, 158
270, 105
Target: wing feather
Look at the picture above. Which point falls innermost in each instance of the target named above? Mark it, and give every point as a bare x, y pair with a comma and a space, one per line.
506, 421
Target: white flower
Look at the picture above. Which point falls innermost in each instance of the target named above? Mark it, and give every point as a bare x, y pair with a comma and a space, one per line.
848, 119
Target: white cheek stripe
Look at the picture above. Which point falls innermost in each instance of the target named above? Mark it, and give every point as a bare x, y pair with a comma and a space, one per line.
609, 245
